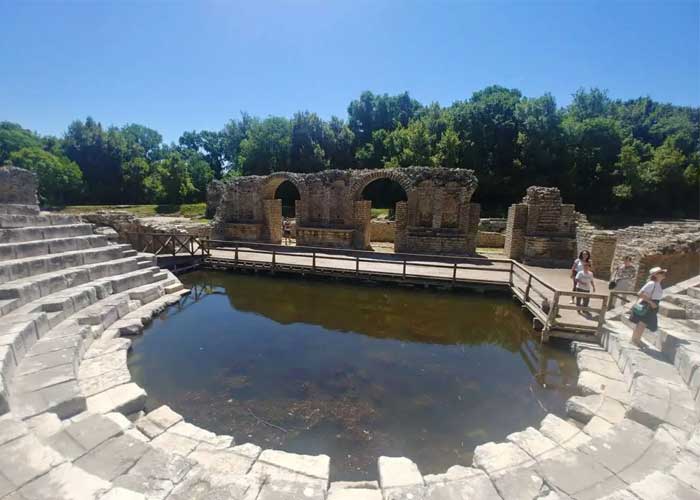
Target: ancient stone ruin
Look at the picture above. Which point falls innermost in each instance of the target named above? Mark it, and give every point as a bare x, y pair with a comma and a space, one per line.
541, 230
437, 215
18, 188
674, 245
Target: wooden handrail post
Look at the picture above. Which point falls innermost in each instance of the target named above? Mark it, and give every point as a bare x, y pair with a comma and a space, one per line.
236, 255
510, 276
357, 265
273, 259
603, 309
403, 273
527, 288
454, 273
552, 316
313, 261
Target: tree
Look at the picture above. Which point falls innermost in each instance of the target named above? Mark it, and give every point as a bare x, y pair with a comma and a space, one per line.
60, 180
338, 146
146, 140
175, 178
134, 175
309, 135
265, 148
13, 138
99, 153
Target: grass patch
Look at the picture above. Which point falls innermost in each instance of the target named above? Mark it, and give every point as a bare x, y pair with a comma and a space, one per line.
190, 210
380, 213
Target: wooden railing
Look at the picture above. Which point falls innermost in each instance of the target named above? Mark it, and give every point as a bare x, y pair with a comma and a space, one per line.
549, 306
168, 244
448, 269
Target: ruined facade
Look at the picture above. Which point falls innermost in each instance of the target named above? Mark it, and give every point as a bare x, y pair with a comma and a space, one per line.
541, 230
18, 190
436, 217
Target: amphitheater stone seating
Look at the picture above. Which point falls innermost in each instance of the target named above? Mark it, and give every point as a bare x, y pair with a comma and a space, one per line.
73, 426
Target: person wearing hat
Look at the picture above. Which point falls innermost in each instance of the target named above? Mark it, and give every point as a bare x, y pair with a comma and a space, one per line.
644, 312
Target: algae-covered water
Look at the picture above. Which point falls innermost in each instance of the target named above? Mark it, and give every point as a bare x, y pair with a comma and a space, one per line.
351, 371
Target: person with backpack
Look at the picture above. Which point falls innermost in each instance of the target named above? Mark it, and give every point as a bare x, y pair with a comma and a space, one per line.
644, 312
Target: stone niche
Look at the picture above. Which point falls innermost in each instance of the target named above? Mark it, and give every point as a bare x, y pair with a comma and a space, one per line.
436, 217
18, 188
541, 230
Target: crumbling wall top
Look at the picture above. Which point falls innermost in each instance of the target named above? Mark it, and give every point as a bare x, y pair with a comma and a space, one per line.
18, 186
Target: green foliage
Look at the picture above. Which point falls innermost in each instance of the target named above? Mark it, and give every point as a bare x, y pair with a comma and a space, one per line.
59, 178
265, 148
639, 156
13, 138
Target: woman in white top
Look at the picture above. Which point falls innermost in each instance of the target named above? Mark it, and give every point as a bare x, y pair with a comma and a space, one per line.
584, 256
645, 310
584, 283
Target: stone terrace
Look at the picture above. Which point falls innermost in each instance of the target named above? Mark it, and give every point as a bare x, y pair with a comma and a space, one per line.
73, 427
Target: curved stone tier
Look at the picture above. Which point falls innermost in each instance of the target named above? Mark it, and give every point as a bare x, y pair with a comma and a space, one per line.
73, 427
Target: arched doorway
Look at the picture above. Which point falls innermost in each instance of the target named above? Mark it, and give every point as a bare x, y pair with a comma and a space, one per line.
384, 193
288, 193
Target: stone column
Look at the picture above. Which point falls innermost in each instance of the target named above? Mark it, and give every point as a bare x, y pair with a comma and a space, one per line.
362, 214
472, 228
273, 221
515, 231
401, 226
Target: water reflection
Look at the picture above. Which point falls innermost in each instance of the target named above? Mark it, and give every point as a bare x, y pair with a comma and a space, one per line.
351, 371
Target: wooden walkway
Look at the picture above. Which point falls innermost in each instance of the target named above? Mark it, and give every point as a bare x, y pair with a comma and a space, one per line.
545, 293
549, 304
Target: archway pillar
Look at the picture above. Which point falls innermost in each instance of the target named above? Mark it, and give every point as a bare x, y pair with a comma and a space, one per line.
272, 214
362, 215
401, 225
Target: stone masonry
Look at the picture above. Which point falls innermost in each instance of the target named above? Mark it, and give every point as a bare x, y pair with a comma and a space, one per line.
70, 301
18, 187
437, 216
541, 230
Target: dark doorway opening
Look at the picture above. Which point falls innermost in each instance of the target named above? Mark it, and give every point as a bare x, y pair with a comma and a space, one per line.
384, 194
288, 193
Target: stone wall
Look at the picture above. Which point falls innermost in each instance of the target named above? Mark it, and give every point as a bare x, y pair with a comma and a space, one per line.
674, 245
600, 243
541, 229
382, 230
437, 216
490, 239
18, 187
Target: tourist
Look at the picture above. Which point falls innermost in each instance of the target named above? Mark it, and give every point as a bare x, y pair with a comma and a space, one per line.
584, 284
584, 256
644, 312
625, 274
286, 231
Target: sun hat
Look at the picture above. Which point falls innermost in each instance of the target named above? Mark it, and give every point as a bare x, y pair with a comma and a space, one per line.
657, 270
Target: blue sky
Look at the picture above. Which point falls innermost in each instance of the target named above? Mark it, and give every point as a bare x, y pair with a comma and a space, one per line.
178, 66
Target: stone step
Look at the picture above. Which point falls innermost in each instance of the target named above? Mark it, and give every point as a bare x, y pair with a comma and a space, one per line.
24, 234
694, 292
671, 310
690, 305
10, 251
19, 269
36, 287
101, 314
11, 221
17, 209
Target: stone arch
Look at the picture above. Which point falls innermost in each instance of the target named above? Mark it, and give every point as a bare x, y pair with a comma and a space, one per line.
364, 179
273, 181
